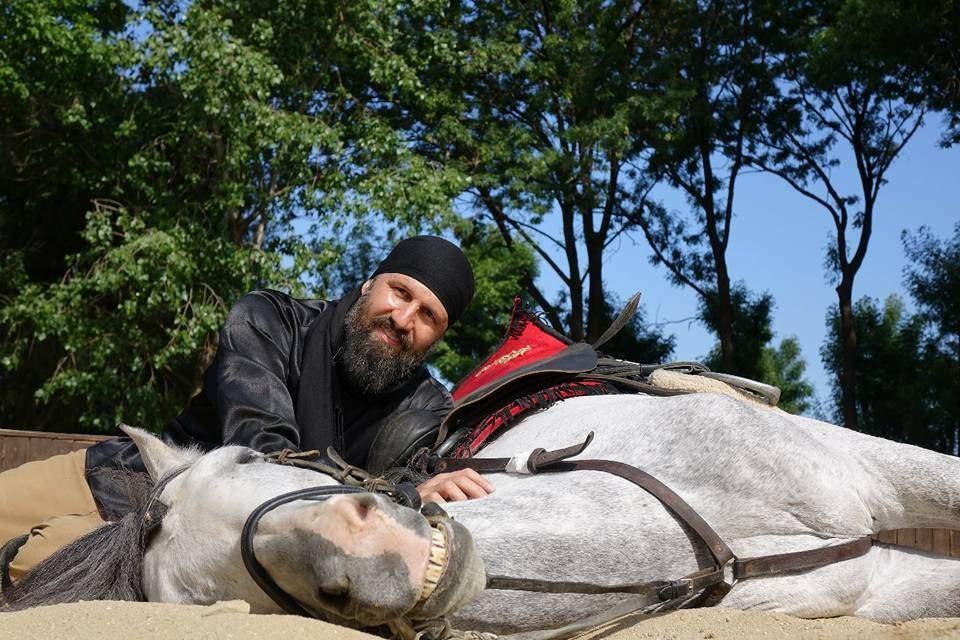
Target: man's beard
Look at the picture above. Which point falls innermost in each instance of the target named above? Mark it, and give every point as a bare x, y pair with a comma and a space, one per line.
369, 363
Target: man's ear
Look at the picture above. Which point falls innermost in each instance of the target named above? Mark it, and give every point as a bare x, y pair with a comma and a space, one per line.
365, 287
158, 457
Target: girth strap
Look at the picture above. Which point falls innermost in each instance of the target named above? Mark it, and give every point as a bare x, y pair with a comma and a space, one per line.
800, 560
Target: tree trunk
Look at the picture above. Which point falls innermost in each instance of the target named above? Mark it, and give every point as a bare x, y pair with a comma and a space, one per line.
725, 318
596, 299
848, 353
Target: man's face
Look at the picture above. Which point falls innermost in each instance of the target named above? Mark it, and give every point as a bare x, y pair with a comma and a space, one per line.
417, 317
389, 332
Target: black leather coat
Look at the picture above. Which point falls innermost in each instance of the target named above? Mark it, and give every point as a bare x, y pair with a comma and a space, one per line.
274, 384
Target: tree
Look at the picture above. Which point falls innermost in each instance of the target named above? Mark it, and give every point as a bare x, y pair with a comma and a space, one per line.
893, 385
64, 133
919, 42
224, 128
781, 366
751, 330
715, 73
539, 107
837, 99
933, 279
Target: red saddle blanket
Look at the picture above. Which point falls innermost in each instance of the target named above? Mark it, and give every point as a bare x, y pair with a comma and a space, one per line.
532, 368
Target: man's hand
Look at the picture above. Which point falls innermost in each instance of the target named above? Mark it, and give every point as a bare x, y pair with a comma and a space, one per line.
456, 485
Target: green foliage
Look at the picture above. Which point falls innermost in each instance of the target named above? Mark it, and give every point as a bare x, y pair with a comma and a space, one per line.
755, 357
752, 331
933, 280
205, 134
908, 366
62, 134
121, 337
783, 367
159, 159
893, 381
915, 43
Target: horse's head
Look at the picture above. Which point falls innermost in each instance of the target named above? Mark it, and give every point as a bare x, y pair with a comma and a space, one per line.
356, 559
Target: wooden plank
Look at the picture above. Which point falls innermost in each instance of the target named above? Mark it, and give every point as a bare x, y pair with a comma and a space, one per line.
18, 433
42, 448
955, 544
13, 452
18, 447
887, 537
907, 537
925, 539
941, 541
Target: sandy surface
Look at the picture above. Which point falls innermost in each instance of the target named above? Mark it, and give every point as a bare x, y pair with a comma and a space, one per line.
151, 621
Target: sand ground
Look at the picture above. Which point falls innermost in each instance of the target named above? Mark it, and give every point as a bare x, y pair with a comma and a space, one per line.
232, 620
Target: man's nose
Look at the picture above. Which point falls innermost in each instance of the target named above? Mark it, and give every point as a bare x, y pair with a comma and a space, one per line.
403, 317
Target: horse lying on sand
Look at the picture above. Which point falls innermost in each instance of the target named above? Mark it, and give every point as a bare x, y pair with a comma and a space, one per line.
767, 482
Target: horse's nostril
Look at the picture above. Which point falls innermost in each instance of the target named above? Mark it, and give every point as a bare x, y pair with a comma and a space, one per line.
355, 510
336, 587
362, 510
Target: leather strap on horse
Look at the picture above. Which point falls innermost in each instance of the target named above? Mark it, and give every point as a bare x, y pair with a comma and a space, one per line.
541, 460
800, 560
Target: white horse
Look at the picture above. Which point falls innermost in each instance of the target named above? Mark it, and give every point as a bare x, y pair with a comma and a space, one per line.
767, 482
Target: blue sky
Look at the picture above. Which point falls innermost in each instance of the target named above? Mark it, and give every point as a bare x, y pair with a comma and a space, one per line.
777, 245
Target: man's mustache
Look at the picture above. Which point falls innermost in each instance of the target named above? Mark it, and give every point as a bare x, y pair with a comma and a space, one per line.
386, 323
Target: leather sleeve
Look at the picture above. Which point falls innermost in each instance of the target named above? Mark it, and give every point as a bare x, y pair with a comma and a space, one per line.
247, 381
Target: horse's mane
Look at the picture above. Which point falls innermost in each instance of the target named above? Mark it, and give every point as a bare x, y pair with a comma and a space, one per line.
105, 564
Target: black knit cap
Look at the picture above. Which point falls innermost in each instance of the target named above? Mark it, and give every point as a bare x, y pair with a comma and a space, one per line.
439, 265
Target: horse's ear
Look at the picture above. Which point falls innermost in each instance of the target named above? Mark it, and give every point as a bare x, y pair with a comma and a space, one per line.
157, 455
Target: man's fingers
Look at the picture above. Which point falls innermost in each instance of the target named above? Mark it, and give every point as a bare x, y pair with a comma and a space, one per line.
451, 491
478, 479
469, 487
458, 485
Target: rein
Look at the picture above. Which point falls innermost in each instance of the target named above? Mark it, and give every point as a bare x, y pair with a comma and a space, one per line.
712, 581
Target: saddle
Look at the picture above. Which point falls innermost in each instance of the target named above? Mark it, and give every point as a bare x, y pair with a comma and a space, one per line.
535, 367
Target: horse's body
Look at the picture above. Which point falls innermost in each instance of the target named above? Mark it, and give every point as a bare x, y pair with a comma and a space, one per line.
767, 483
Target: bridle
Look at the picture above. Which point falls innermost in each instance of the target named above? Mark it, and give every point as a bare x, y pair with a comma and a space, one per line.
353, 480
256, 570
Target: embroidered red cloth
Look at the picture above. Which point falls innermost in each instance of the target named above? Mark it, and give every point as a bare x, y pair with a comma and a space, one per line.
528, 340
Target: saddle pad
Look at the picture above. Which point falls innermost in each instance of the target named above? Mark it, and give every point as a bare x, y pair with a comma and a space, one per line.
528, 340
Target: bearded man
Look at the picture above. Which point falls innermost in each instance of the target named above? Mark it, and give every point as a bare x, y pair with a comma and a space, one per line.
288, 374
